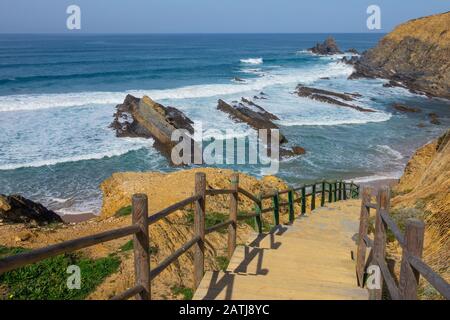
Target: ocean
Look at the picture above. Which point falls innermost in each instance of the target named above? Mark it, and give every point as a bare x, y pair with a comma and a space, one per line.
58, 95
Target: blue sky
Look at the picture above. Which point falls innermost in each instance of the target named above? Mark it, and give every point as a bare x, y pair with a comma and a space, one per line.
210, 16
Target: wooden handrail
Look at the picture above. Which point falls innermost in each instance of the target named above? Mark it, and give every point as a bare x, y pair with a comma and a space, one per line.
394, 229
432, 277
388, 279
174, 256
141, 222
36, 255
218, 226
412, 246
213, 192
129, 293
248, 195
177, 206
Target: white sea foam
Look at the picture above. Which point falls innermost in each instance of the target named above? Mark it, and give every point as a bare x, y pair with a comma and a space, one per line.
45, 101
91, 156
385, 149
377, 177
331, 122
252, 61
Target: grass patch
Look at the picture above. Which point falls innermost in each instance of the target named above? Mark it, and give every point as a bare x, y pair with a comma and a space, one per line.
47, 279
129, 246
266, 227
125, 211
187, 293
214, 218
222, 262
211, 219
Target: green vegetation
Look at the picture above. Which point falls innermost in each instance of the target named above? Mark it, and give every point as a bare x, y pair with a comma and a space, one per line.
222, 262
125, 211
128, 246
211, 219
47, 279
187, 293
266, 227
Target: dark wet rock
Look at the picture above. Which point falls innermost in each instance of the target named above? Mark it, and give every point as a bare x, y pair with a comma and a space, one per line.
237, 79
329, 97
149, 119
328, 47
291, 152
351, 61
298, 150
260, 98
352, 50
324, 78
259, 109
419, 60
421, 125
404, 108
17, 209
434, 118
250, 113
354, 94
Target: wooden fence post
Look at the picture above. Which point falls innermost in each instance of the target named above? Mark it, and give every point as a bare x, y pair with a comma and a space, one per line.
344, 191
322, 198
199, 228
313, 197
379, 243
330, 192
351, 195
258, 211
409, 278
291, 206
363, 228
276, 208
232, 228
303, 200
335, 191
340, 190
141, 245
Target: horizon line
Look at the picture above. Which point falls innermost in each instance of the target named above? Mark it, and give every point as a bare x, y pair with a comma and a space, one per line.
177, 33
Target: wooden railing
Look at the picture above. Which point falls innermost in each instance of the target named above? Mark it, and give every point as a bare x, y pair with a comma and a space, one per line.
412, 266
331, 191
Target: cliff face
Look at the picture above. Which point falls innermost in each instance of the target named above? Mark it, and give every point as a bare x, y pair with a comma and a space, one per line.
425, 185
416, 53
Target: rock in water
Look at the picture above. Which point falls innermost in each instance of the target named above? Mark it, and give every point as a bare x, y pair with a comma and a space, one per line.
404, 108
17, 209
434, 118
416, 53
149, 119
330, 97
352, 50
328, 47
250, 113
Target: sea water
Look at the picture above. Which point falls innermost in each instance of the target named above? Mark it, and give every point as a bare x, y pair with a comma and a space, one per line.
58, 95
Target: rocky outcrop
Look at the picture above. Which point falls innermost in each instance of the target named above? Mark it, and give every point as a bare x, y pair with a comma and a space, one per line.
250, 113
434, 118
17, 209
404, 108
258, 118
330, 97
424, 187
416, 54
328, 47
149, 119
352, 50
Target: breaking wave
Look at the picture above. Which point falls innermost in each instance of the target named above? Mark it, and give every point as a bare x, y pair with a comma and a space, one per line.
75, 99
